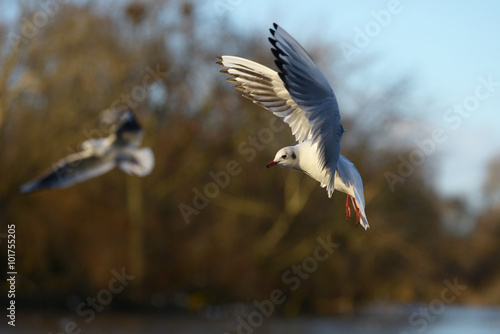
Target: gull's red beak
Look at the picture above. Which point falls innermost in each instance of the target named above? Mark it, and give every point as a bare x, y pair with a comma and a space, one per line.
271, 164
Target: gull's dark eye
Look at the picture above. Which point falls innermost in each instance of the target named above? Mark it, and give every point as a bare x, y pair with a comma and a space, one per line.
284, 156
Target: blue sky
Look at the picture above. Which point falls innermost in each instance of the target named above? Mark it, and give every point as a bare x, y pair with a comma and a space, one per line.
444, 46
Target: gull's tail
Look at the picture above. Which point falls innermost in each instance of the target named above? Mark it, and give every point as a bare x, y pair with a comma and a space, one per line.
140, 163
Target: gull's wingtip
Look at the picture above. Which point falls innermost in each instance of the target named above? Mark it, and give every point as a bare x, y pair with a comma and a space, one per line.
220, 61
273, 43
28, 187
273, 29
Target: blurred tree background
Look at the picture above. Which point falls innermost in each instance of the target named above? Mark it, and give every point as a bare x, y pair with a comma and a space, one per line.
58, 74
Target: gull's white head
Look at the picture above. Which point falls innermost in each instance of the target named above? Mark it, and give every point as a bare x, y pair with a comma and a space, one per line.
286, 157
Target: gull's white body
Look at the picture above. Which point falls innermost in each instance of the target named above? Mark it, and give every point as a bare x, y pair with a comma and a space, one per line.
347, 178
301, 95
307, 161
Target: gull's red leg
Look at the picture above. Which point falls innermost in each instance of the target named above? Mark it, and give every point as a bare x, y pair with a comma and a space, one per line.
358, 213
348, 208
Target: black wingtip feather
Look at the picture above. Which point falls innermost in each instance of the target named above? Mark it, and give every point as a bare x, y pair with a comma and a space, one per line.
280, 65
282, 76
272, 41
273, 31
276, 53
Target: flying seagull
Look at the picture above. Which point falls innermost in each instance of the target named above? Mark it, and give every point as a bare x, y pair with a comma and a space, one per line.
120, 148
301, 95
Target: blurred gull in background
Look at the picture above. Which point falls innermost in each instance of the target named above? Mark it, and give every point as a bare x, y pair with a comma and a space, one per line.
121, 148
302, 96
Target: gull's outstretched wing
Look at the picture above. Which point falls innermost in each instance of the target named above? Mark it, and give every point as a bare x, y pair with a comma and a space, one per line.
300, 94
74, 168
265, 88
311, 91
348, 175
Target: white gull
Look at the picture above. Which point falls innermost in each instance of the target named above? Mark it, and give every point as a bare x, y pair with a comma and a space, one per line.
302, 96
120, 148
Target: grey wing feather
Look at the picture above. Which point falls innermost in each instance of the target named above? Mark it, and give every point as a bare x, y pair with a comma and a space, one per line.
310, 90
75, 168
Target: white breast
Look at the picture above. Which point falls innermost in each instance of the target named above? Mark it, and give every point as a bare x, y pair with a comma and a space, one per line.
309, 162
